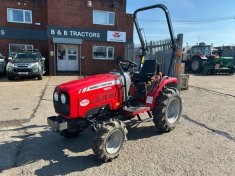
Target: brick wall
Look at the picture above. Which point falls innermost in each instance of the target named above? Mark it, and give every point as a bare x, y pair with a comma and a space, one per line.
75, 13
70, 14
39, 12
92, 66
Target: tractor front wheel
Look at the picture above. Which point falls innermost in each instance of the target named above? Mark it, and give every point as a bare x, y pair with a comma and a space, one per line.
167, 110
110, 139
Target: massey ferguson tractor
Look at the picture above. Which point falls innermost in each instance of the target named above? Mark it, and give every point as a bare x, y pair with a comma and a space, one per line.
196, 56
201, 59
105, 101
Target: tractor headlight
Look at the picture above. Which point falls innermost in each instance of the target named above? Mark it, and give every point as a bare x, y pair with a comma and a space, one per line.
56, 96
63, 99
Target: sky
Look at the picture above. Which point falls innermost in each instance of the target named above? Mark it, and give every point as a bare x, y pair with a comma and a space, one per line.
209, 21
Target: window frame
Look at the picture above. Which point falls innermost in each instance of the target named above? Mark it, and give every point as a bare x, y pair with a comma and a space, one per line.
107, 17
107, 49
24, 11
25, 46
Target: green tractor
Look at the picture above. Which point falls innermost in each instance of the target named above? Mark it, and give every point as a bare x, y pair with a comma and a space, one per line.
204, 59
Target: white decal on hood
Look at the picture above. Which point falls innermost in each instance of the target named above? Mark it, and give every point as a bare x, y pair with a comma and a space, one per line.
84, 102
99, 86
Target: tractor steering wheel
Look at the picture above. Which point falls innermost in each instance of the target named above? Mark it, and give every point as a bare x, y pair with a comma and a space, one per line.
126, 64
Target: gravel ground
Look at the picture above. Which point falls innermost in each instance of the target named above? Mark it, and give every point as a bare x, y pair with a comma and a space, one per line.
202, 144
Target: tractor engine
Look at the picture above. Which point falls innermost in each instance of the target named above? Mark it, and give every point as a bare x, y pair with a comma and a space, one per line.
86, 97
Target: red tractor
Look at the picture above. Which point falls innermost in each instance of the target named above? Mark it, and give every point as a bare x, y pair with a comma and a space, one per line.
105, 101
197, 56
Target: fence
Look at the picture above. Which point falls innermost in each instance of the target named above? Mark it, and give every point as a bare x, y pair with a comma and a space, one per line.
159, 50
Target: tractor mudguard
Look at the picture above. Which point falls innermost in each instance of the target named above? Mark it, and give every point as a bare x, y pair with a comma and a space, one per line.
165, 82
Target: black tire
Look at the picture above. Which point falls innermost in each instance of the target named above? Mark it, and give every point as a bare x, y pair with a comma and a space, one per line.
112, 128
69, 134
11, 78
160, 111
231, 72
40, 77
198, 61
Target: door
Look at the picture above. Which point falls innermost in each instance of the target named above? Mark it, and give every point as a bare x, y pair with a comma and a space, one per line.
67, 58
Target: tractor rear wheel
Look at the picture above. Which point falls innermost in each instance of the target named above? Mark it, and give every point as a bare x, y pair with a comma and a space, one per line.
196, 64
110, 139
167, 110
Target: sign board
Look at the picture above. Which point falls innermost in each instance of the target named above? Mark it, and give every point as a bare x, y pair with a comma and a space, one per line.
116, 36
24, 34
76, 33
62, 32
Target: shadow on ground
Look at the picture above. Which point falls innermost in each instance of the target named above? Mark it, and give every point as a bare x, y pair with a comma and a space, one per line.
3, 78
53, 148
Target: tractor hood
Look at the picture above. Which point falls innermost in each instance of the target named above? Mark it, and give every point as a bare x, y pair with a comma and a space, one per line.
86, 94
89, 84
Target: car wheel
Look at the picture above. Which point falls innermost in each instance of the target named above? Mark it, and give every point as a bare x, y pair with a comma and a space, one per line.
10, 77
40, 77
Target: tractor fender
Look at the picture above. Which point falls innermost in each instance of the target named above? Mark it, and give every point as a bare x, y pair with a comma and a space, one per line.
165, 82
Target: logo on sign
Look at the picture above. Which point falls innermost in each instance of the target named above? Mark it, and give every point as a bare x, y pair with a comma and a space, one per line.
84, 102
116, 34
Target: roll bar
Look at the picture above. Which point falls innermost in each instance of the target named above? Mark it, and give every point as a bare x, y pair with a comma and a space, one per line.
168, 18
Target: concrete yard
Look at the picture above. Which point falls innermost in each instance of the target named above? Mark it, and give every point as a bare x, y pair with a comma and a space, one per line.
202, 144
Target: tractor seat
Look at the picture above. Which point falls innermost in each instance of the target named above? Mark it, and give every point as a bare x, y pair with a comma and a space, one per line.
149, 69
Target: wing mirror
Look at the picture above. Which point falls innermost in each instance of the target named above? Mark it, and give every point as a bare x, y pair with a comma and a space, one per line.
43, 58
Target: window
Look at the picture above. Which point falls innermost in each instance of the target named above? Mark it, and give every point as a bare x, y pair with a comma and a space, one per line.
103, 52
13, 48
103, 17
19, 16
72, 53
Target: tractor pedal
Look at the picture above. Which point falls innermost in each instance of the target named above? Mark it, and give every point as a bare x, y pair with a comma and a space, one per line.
136, 110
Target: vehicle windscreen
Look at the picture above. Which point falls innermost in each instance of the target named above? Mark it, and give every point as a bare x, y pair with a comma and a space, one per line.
207, 50
26, 56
